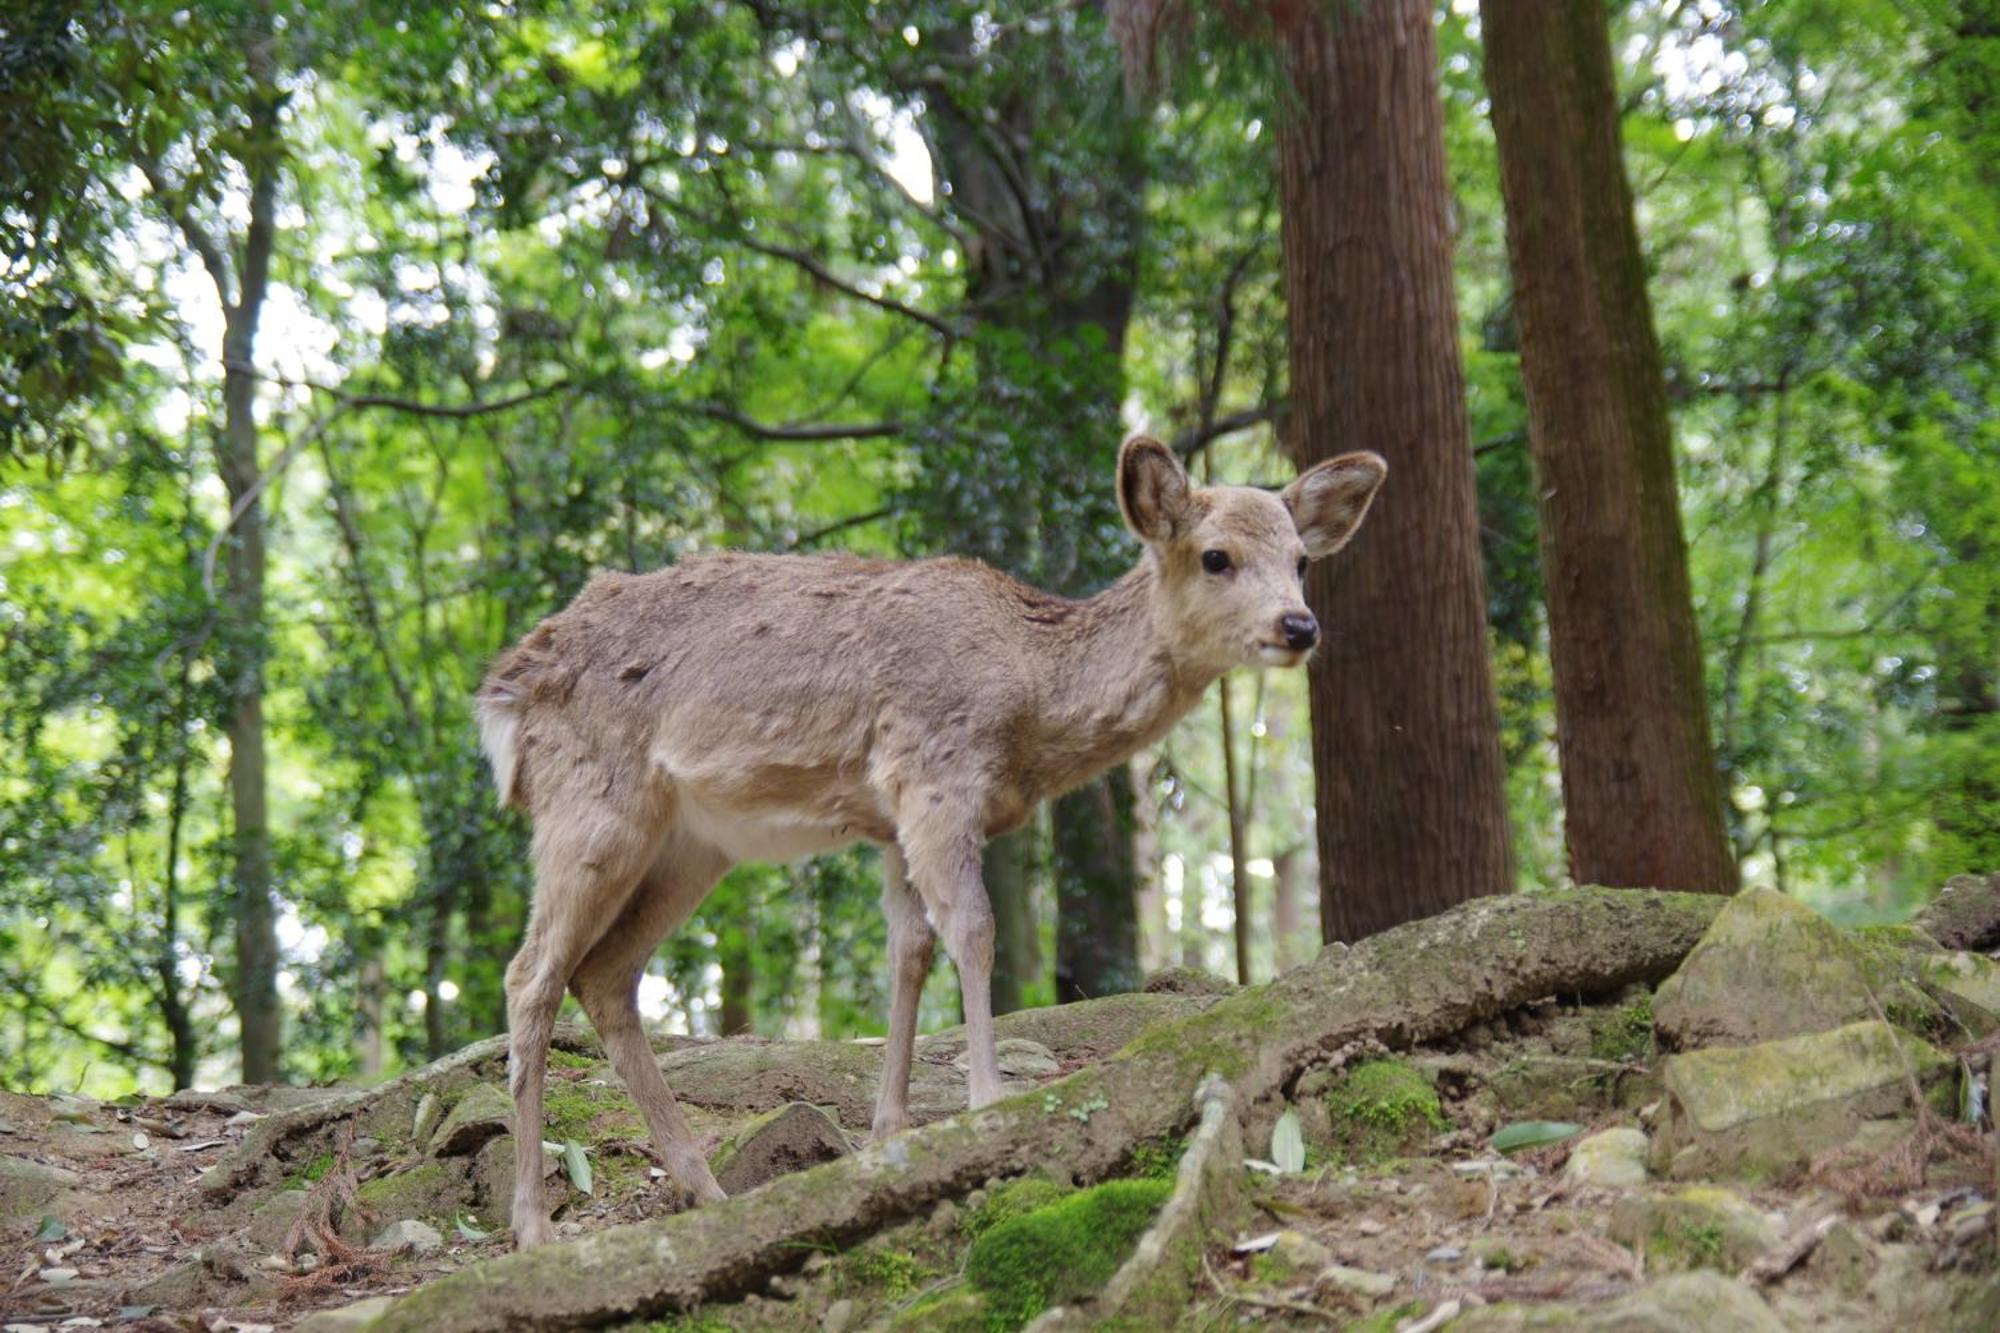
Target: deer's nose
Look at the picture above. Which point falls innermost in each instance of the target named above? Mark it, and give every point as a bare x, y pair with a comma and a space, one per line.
1301, 631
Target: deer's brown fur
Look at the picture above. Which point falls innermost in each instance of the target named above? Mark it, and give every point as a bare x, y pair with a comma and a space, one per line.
736, 707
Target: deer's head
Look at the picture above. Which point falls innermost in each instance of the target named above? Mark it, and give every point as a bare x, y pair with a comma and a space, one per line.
1231, 560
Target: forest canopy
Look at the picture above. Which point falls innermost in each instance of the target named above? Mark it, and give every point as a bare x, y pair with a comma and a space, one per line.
342, 342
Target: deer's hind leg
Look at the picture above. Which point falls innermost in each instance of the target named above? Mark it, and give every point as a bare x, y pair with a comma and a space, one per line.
607, 984
912, 945
586, 868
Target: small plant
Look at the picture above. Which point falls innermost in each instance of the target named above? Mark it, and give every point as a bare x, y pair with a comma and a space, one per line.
1159, 1159
1702, 1243
894, 1274
1016, 1198
1625, 1034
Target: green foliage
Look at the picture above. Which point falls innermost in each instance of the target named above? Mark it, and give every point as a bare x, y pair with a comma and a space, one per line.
1381, 1109
1624, 1033
1159, 1159
1067, 1249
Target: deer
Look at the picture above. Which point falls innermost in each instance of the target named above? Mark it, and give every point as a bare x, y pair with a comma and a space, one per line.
666, 726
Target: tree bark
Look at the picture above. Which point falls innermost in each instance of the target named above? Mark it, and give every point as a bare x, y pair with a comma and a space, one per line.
1412, 813
1239, 837
1642, 795
256, 982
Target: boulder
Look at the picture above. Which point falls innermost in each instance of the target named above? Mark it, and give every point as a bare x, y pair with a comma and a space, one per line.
1703, 1301
272, 1222
777, 1143
1614, 1159
1768, 967
1757, 1111
27, 1186
483, 1112
1965, 914
1698, 1227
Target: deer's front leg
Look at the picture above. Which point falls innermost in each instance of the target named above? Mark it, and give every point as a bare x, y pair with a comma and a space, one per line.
912, 944
942, 846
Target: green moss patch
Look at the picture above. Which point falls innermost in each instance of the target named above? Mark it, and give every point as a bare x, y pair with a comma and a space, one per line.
1624, 1034
1066, 1250
1382, 1109
1016, 1198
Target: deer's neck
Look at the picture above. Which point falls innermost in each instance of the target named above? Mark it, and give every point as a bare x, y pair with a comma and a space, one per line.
1117, 683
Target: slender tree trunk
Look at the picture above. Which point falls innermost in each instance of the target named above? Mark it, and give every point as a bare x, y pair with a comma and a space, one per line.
1155, 941
737, 957
371, 993
1239, 878
1642, 796
1412, 809
1286, 892
1097, 919
1009, 864
166, 961
256, 981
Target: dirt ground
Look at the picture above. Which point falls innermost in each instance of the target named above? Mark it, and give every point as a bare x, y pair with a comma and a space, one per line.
1443, 1225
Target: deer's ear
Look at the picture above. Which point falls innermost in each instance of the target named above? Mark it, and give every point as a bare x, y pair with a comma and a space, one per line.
1328, 502
1152, 488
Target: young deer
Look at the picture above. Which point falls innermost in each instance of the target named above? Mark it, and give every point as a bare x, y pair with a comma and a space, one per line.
737, 707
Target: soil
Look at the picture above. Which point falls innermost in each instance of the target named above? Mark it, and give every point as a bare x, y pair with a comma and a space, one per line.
139, 1244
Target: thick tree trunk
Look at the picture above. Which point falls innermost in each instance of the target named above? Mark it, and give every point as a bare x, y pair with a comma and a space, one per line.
737, 956
1412, 810
1642, 796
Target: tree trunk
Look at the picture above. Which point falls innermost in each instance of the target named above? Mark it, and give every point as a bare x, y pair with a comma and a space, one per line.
1239, 837
256, 989
1097, 913
1642, 797
1412, 813
1008, 865
736, 953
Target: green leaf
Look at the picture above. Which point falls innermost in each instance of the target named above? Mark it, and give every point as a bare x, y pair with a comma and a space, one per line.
577, 1164
467, 1231
1532, 1134
1288, 1143
52, 1228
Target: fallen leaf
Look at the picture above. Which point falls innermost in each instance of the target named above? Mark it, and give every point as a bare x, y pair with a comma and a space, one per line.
1288, 1143
577, 1163
1532, 1134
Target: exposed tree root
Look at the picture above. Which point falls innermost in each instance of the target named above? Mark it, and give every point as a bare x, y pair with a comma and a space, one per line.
1415, 983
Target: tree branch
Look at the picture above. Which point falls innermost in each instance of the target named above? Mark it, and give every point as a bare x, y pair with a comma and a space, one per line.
808, 432
1191, 442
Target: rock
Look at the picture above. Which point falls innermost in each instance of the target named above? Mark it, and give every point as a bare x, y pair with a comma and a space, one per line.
1614, 1159
483, 1113
944, 1219
1699, 1227
1768, 967
1444, 1254
1970, 984
493, 1180
1965, 914
272, 1222
1845, 1259
1757, 1111
425, 1122
839, 1317
1357, 1280
347, 1318
1019, 1058
1296, 1252
1705, 1301
1185, 981
776, 1143
25, 1187
408, 1234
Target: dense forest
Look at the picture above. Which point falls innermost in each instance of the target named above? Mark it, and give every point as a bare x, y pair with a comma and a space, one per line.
342, 342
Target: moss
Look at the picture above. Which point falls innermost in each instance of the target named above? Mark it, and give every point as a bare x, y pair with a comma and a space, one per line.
311, 1170
1016, 1198
695, 1322
892, 1275
1624, 1034
561, 1059
419, 1192
1159, 1159
1066, 1250
1382, 1109
1385, 1321
588, 1113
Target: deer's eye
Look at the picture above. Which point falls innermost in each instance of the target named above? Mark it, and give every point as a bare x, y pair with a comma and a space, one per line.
1215, 562
1302, 566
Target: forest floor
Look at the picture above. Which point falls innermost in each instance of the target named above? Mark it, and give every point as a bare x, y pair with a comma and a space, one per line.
258, 1208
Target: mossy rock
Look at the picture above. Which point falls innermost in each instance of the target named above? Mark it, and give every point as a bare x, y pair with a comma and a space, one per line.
1382, 1109
426, 1191
791, 1138
481, 1113
1768, 967
1062, 1252
1016, 1198
1698, 1227
1760, 1111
